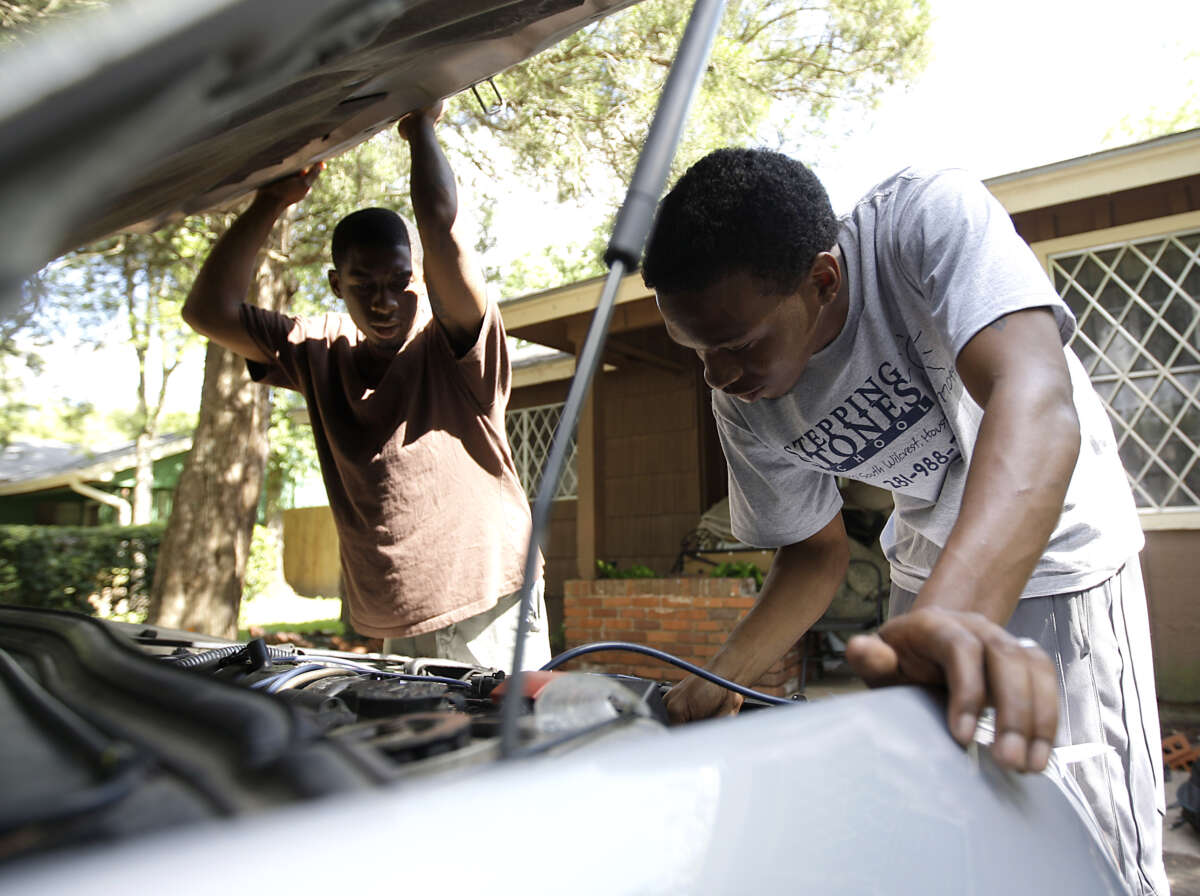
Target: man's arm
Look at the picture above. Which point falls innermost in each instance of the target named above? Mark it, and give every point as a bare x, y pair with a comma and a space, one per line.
213, 305
977, 661
457, 292
797, 591
1024, 456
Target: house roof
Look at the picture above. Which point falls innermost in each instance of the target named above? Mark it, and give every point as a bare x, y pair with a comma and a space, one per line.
1099, 173
37, 466
547, 316
533, 364
555, 317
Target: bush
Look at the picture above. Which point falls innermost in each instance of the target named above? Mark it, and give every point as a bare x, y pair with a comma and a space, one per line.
99, 570
262, 566
606, 570
742, 569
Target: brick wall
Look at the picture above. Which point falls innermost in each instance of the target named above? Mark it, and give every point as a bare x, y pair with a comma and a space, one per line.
689, 617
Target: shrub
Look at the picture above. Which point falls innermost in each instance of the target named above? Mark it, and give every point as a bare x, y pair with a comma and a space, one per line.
743, 569
606, 570
99, 570
262, 565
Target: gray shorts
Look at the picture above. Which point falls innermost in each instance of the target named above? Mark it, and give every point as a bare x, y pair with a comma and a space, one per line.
1100, 641
486, 639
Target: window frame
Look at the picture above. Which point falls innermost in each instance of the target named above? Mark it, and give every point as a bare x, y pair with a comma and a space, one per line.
1151, 518
564, 491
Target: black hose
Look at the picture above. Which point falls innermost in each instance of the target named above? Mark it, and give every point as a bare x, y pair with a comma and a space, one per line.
126, 767
210, 659
666, 658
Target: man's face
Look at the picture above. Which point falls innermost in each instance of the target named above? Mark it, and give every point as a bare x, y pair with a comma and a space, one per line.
377, 285
754, 341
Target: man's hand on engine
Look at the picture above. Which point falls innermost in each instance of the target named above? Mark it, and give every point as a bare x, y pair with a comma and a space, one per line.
694, 699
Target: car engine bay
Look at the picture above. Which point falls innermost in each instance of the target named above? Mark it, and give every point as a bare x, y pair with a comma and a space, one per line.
124, 729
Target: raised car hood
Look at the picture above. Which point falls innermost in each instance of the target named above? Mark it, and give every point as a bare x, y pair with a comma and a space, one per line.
158, 109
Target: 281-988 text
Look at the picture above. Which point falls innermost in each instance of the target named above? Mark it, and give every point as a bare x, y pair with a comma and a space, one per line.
924, 467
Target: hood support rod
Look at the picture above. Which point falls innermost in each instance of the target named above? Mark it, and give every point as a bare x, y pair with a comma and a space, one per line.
624, 253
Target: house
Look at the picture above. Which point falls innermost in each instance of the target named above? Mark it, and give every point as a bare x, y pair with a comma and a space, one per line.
49, 483
1119, 234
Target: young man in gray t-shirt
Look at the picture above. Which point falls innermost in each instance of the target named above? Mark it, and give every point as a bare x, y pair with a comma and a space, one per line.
917, 346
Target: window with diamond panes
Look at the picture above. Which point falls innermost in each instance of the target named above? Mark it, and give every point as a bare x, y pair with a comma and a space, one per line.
1138, 304
530, 432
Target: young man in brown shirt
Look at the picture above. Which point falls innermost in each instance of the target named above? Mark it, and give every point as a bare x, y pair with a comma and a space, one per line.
406, 393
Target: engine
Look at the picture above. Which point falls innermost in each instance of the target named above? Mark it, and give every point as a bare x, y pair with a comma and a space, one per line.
112, 729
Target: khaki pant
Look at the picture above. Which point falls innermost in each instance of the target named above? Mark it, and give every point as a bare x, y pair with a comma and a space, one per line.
1099, 640
486, 639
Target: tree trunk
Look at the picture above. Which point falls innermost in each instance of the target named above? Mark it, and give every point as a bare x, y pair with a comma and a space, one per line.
272, 503
143, 480
202, 561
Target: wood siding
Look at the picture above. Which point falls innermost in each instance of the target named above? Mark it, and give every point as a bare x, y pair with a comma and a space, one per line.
542, 393
310, 552
657, 458
650, 435
1112, 210
1171, 566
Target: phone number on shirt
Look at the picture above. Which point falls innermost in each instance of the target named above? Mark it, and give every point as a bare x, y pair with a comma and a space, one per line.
926, 466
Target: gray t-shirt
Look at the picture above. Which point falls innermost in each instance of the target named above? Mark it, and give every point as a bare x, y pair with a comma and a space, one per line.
931, 258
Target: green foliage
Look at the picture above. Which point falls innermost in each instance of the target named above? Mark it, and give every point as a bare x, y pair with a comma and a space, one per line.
550, 267
607, 570
135, 283
262, 566
374, 173
19, 19
100, 570
329, 627
74, 422
558, 640
1180, 112
742, 569
20, 354
14, 410
578, 112
292, 456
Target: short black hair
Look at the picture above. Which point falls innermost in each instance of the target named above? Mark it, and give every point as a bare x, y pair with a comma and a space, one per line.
373, 227
738, 210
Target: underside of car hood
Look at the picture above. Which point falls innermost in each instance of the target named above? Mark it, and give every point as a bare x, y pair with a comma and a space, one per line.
153, 110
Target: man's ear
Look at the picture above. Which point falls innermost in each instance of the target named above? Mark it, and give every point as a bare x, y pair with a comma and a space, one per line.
827, 277
335, 283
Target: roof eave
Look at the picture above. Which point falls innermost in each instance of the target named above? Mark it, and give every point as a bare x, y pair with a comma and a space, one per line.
97, 472
1098, 174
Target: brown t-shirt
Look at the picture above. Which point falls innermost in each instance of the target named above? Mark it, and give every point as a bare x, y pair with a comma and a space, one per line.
432, 521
